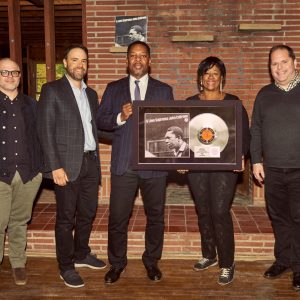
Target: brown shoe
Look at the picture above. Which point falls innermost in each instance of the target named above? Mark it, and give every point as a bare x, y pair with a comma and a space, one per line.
19, 275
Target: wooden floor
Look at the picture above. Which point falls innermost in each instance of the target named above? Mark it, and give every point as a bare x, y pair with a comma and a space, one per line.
179, 282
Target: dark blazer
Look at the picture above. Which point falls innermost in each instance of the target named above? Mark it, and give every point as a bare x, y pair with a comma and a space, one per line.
117, 93
60, 127
29, 113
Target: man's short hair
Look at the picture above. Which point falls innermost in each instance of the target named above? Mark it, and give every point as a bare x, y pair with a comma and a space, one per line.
137, 28
74, 46
138, 43
282, 47
177, 131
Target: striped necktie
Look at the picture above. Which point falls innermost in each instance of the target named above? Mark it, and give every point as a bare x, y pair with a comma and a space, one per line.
137, 93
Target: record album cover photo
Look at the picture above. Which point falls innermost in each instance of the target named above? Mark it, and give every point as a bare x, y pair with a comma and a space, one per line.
130, 29
193, 135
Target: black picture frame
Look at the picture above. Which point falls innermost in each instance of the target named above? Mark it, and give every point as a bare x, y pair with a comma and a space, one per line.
212, 129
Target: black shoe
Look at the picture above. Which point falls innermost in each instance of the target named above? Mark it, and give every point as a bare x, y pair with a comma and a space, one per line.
205, 263
113, 274
72, 279
296, 281
226, 275
275, 271
91, 261
153, 273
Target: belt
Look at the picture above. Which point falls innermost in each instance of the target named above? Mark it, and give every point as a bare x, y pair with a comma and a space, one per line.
90, 153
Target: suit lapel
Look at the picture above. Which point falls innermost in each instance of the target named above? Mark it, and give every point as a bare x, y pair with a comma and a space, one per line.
150, 90
69, 96
125, 90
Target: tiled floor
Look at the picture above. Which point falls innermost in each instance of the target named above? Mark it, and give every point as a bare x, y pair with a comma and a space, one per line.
178, 218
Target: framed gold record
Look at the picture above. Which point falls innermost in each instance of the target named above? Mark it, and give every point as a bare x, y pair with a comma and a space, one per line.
191, 135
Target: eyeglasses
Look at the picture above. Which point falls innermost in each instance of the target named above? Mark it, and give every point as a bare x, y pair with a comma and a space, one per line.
6, 73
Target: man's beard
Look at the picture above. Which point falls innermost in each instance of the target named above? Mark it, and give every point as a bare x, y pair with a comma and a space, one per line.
76, 76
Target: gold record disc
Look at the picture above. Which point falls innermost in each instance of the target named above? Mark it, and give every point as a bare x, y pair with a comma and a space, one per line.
208, 130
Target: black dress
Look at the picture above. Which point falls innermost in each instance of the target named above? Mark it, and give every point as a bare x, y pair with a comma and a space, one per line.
213, 192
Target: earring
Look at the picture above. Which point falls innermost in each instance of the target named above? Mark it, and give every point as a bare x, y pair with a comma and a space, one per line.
201, 85
221, 87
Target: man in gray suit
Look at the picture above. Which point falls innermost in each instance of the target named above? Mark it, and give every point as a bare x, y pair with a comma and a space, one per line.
115, 113
68, 135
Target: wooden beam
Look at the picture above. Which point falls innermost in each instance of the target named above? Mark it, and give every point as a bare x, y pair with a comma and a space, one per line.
84, 26
257, 26
14, 28
193, 38
38, 3
49, 39
118, 49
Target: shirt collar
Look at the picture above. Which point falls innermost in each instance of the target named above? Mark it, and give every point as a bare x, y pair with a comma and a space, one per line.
143, 80
83, 85
181, 149
3, 96
293, 83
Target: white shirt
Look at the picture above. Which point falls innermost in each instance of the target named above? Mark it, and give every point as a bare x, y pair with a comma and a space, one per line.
86, 117
143, 84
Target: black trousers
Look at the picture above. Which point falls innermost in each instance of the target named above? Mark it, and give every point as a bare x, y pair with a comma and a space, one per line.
213, 194
76, 206
282, 193
123, 192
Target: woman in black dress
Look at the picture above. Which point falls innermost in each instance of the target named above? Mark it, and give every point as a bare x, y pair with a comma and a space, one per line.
213, 191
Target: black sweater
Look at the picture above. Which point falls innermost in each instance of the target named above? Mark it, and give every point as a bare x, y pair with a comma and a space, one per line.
275, 127
245, 122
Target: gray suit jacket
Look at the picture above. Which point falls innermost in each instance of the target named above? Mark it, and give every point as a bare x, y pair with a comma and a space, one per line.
60, 127
115, 96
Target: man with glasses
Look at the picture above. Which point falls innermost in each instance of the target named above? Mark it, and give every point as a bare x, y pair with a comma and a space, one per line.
20, 164
115, 113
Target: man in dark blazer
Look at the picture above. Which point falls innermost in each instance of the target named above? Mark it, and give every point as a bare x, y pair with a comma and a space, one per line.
68, 135
115, 114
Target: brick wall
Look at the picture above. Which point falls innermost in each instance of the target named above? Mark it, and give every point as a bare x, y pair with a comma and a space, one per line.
245, 53
176, 245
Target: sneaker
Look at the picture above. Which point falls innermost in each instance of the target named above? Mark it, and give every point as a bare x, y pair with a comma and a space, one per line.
226, 275
72, 279
205, 263
91, 261
19, 275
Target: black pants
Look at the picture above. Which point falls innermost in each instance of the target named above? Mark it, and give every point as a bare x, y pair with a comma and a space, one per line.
213, 194
76, 206
282, 193
123, 192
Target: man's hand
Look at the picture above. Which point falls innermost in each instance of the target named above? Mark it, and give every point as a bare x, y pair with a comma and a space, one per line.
60, 177
259, 173
126, 111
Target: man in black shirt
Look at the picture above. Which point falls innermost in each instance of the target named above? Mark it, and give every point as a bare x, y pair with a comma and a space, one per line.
20, 163
275, 155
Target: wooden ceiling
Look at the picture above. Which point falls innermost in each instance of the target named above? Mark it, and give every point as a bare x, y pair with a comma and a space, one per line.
68, 23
